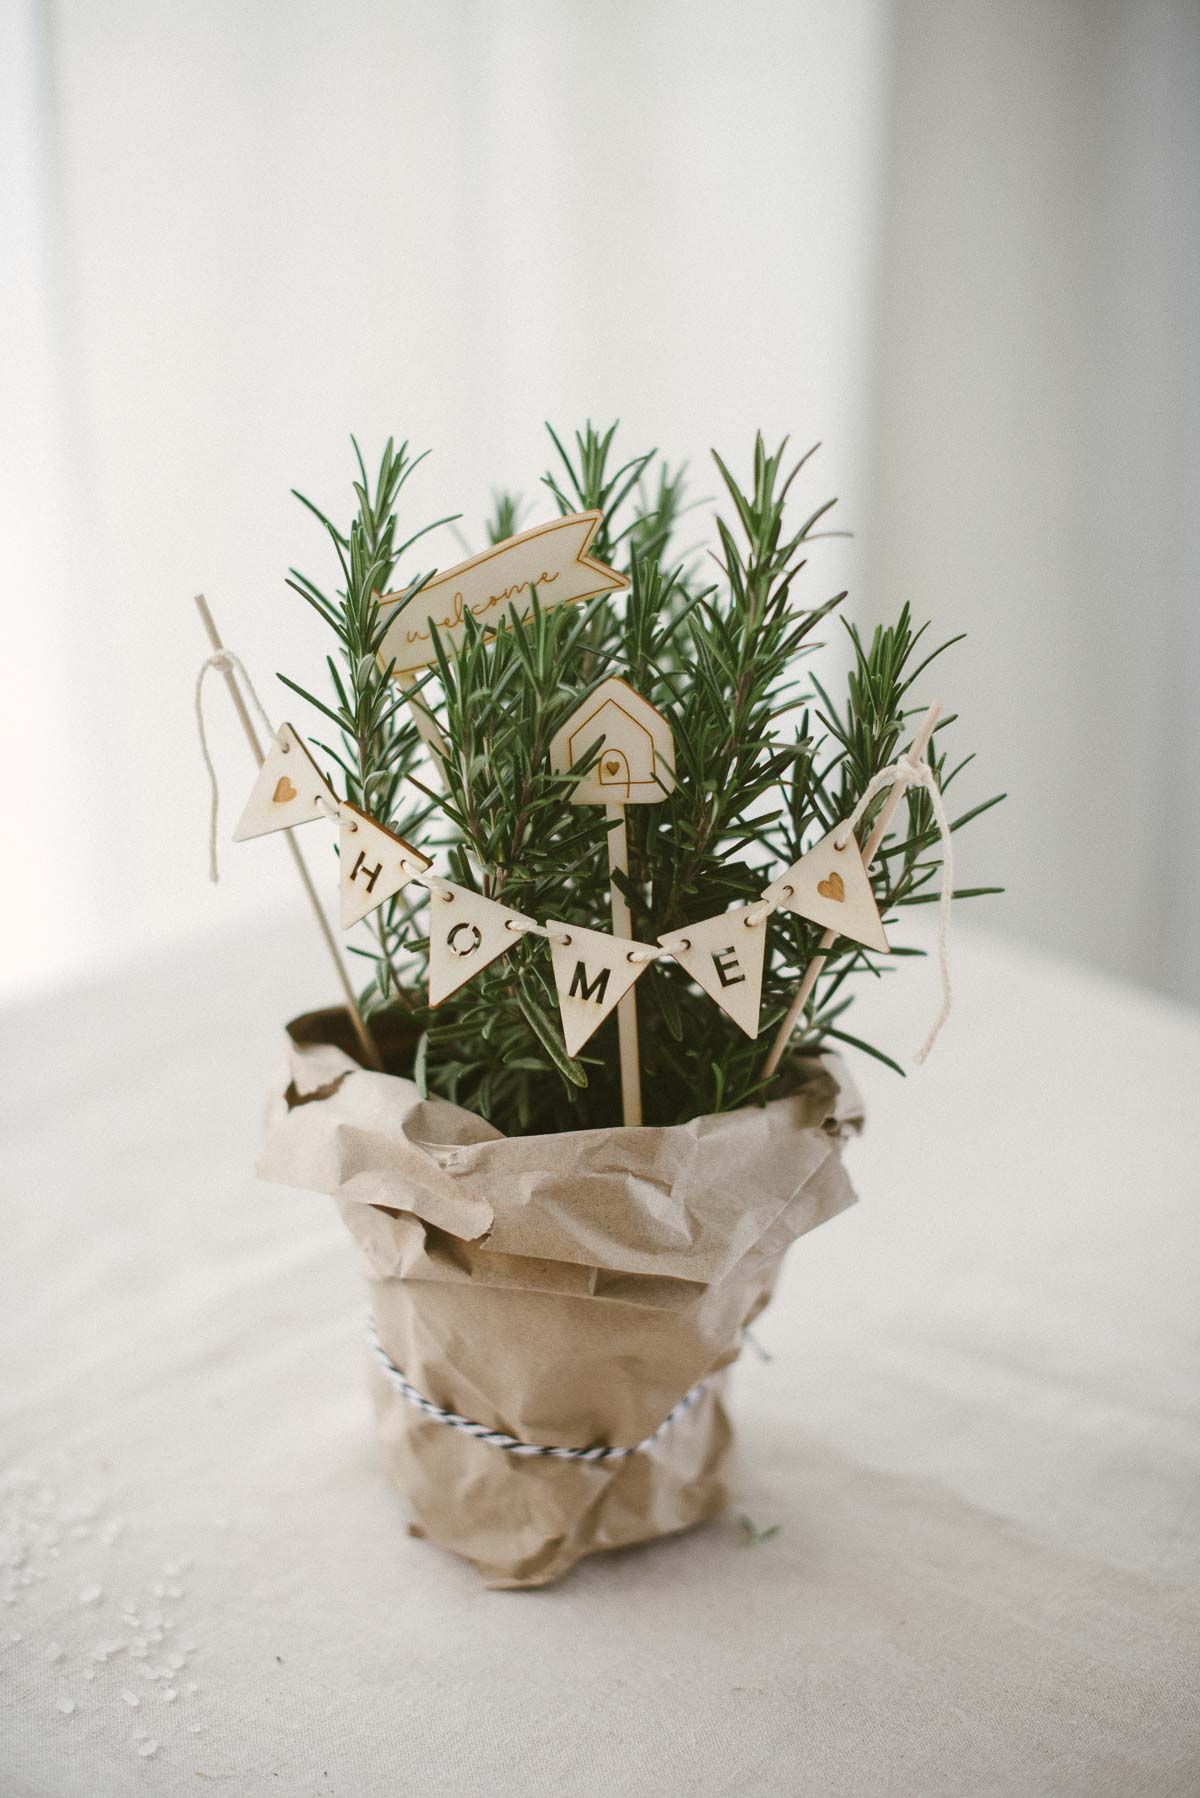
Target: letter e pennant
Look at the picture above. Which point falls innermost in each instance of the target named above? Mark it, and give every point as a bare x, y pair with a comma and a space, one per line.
724, 956
832, 887
592, 973
375, 863
286, 792
466, 933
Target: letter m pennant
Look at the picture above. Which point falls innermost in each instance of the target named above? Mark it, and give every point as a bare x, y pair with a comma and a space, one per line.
592, 973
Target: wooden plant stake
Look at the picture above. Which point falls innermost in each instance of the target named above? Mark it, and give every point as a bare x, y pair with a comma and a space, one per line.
795, 1010
365, 1040
635, 766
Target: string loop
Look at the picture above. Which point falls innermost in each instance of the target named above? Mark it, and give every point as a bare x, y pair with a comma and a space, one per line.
909, 773
224, 662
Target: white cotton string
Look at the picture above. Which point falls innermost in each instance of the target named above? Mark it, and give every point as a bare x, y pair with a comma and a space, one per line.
224, 661
908, 773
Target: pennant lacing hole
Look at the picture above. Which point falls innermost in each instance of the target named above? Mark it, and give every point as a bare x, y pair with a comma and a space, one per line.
564, 941
788, 891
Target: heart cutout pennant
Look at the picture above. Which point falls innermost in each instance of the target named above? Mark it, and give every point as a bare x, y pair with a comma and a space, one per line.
287, 791
831, 887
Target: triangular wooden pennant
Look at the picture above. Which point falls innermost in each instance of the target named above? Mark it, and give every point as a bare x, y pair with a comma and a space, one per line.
287, 790
832, 887
375, 863
592, 973
724, 956
466, 933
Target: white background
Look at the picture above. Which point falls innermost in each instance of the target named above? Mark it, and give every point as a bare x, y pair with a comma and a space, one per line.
954, 239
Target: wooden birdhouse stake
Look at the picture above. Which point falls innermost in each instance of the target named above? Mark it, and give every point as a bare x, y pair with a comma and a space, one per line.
635, 766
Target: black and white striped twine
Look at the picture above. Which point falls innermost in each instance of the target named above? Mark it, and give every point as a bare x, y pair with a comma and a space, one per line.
510, 1444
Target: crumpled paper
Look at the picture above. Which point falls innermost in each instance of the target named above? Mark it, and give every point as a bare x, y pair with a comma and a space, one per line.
567, 1290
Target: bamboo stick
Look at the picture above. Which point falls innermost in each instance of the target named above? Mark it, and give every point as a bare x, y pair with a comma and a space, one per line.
365, 1040
622, 922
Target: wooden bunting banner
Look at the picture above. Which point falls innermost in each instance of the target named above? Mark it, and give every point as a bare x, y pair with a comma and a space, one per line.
374, 863
831, 887
288, 791
551, 557
592, 971
466, 933
724, 956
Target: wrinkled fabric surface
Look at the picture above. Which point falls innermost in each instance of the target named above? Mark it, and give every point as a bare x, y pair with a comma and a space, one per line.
977, 1437
567, 1290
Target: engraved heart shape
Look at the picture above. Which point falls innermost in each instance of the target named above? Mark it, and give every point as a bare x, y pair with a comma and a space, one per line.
284, 790
832, 888
612, 767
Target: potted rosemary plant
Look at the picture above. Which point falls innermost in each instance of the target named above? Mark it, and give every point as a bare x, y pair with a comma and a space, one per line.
556, 1294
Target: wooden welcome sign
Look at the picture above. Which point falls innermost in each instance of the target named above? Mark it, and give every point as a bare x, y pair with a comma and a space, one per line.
551, 557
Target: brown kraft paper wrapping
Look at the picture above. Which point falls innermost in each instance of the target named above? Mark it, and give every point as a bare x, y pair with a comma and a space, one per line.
567, 1290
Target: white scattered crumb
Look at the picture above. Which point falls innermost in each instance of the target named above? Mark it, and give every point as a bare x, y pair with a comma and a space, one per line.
176, 1661
91, 1595
194, 1729
130, 1697
192, 1686
14, 1635
89, 1673
148, 1747
65, 1705
170, 1695
55, 1652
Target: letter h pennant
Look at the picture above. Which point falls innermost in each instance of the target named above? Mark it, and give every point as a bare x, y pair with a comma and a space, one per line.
374, 863
592, 974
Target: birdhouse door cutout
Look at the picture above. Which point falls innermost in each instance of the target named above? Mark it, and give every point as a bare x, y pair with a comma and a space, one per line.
614, 771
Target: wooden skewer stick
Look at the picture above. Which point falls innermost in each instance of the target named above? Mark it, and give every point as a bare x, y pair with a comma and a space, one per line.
365, 1041
428, 728
811, 973
622, 921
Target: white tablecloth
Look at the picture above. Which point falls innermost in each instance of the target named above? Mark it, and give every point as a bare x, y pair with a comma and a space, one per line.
977, 1433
